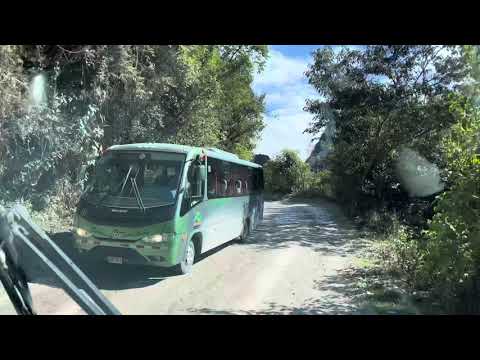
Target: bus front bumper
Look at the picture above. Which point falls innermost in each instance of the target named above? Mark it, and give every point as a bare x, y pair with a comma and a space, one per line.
125, 253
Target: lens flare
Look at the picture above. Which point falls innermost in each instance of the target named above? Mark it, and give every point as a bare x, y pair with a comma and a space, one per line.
38, 90
418, 175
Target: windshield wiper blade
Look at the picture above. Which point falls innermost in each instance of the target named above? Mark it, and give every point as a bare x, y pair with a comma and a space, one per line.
126, 179
137, 194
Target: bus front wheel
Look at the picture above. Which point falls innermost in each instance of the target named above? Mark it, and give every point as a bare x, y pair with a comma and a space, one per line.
185, 266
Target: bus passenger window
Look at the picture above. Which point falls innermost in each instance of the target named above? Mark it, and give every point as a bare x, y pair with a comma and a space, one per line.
211, 186
214, 178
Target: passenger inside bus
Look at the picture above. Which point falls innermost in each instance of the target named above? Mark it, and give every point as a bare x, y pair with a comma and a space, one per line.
238, 187
224, 187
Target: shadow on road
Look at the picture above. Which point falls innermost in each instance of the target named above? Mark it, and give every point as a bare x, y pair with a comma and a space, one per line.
320, 228
313, 307
215, 250
341, 294
105, 276
324, 229
109, 276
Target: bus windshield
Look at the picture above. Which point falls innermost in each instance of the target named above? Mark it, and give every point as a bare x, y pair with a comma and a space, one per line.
133, 179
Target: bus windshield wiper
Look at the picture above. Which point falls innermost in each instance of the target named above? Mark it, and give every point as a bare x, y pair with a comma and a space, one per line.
137, 193
124, 181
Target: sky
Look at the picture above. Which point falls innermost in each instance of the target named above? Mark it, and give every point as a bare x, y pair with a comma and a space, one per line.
286, 88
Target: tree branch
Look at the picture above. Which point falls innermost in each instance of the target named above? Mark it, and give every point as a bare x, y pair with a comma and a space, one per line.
235, 52
71, 52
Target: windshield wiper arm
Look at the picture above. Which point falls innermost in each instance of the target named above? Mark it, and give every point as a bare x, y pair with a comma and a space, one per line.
137, 194
24, 247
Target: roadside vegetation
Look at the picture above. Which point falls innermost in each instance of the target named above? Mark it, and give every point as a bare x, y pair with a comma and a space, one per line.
287, 173
404, 164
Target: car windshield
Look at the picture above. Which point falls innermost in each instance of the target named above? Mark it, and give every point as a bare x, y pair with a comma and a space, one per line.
246, 179
156, 174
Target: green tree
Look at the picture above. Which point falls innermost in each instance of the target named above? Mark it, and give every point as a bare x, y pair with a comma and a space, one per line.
241, 110
382, 98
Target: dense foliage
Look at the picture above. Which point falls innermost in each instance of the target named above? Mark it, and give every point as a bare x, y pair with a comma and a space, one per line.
382, 98
61, 104
404, 112
451, 257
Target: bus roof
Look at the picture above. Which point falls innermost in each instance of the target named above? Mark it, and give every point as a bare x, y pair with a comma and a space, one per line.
152, 147
216, 153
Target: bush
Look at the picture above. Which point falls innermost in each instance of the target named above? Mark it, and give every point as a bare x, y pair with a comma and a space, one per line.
381, 221
445, 258
401, 253
321, 183
318, 184
452, 256
287, 173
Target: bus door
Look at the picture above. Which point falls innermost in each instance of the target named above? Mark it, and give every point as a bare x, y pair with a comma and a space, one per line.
193, 201
216, 230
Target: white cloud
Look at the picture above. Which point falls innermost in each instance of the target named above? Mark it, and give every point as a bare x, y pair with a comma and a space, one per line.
281, 70
286, 132
290, 97
286, 89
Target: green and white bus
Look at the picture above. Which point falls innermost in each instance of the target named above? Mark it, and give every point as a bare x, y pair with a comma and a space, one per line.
165, 204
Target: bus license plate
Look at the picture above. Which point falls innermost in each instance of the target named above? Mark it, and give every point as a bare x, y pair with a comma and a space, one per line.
114, 260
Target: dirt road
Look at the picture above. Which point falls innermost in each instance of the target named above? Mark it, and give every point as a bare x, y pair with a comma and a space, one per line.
292, 264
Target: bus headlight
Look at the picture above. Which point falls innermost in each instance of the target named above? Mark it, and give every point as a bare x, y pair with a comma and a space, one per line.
157, 238
82, 232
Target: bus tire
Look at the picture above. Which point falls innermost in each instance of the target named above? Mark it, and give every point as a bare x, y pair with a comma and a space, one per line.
185, 266
245, 232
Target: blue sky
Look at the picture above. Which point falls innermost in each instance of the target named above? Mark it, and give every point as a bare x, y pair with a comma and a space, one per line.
286, 88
